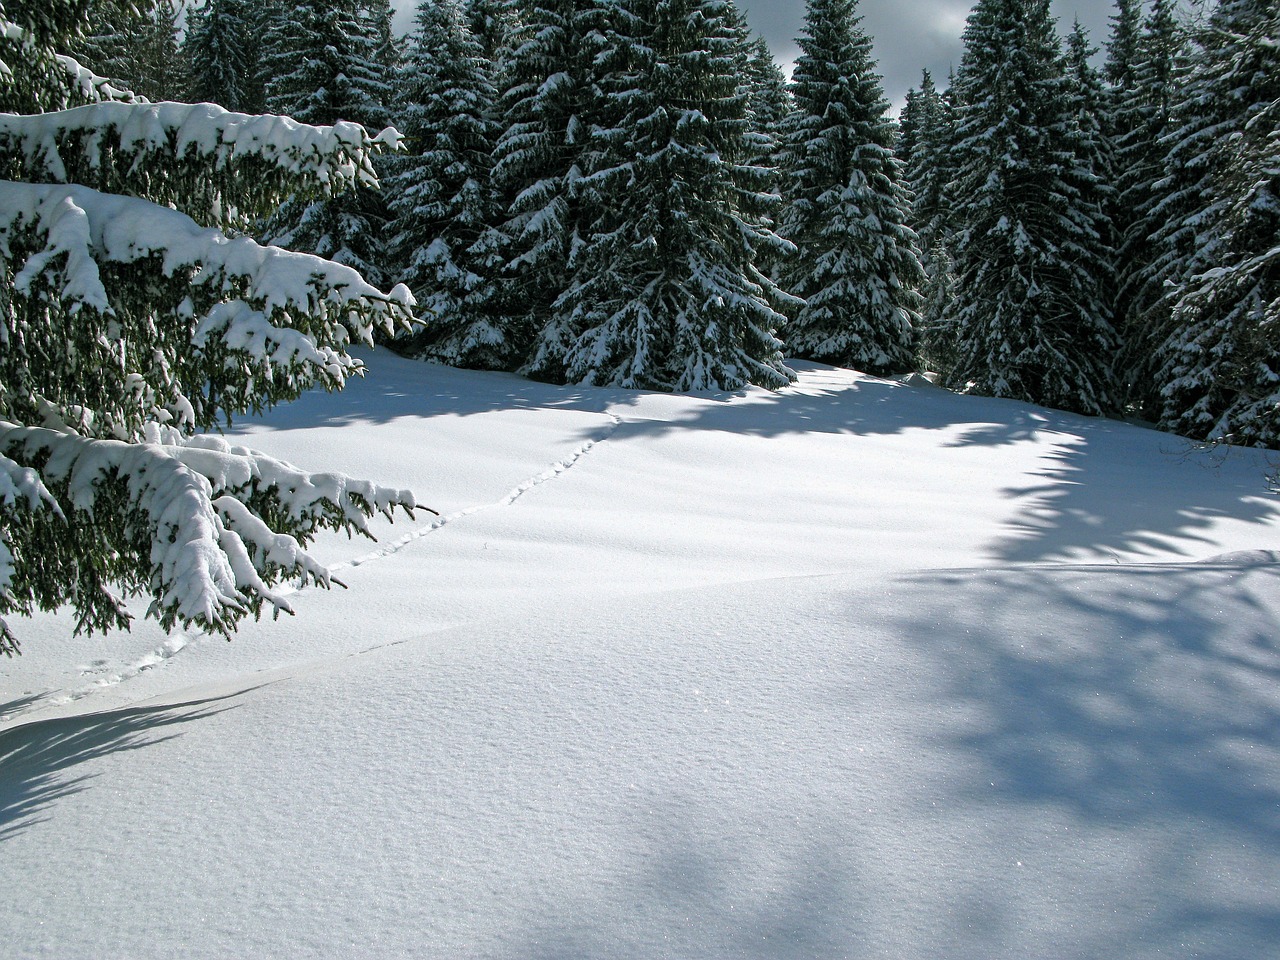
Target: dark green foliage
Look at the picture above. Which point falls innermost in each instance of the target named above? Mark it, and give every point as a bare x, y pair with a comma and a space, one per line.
857, 266
125, 325
663, 289
1217, 366
1030, 319
928, 128
444, 202
1140, 121
221, 48
549, 101
319, 59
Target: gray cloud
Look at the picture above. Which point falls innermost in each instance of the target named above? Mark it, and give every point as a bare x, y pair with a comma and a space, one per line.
909, 35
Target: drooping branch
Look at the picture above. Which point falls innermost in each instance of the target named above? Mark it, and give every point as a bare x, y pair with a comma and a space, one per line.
204, 528
222, 169
121, 312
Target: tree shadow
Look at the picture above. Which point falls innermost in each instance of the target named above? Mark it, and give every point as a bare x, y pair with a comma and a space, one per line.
1104, 487
1098, 496
1139, 702
38, 759
824, 402
19, 705
827, 402
398, 388
686, 894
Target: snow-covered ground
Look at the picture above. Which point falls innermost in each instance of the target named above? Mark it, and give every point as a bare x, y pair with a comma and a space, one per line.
854, 670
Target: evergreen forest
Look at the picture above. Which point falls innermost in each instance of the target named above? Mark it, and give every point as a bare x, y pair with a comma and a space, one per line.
630, 192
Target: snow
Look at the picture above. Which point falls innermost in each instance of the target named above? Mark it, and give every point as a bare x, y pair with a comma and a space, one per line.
82, 226
856, 669
337, 155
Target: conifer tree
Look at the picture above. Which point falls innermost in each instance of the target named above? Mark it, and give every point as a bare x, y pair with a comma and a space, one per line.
664, 291
387, 47
320, 61
132, 314
1030, 320
857, 266
1094, 173
548, 103
769, 105
1142, 121
1218, 369
217, 51
927, 132
135, 48
491, 23
1122, 50
444, 202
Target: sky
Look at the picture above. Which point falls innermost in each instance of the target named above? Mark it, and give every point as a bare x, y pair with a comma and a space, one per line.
909, 35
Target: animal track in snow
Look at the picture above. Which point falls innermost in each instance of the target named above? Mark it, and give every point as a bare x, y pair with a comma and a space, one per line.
108, 677
104, 675
557, 468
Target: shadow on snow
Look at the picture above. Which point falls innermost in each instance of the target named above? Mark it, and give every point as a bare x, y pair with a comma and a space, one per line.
1102, 487
38, 759
1138, 703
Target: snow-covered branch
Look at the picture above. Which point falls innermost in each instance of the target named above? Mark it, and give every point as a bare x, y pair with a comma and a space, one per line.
192, 518
219, 167
159, 308
54, 80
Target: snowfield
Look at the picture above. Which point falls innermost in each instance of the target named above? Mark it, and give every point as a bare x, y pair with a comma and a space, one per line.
857, 669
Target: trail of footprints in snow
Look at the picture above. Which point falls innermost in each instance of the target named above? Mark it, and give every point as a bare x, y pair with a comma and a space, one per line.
512, 496
106, 676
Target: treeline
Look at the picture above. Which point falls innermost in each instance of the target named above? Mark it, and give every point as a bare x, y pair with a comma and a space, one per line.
1108, 241
628, 192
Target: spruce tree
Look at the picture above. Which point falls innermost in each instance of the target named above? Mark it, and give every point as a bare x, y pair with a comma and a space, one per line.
925, 147
1030, 320
769, 105
1122, 50
216, 48
135, 46
664, 291
320, 61
1218, 370
491, 23
549, 101
133, 312
444, 201
1142, 122
857, 266
1094, 173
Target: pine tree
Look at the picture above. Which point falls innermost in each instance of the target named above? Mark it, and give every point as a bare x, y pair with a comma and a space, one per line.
444, 202
548, 103
1142, 122
1219, 368
665, 292
857, 268
129, 318
217, 51
320, 58
1030, 321
927, 132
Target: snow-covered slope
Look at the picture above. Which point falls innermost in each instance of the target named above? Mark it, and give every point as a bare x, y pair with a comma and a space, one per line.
856, 669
